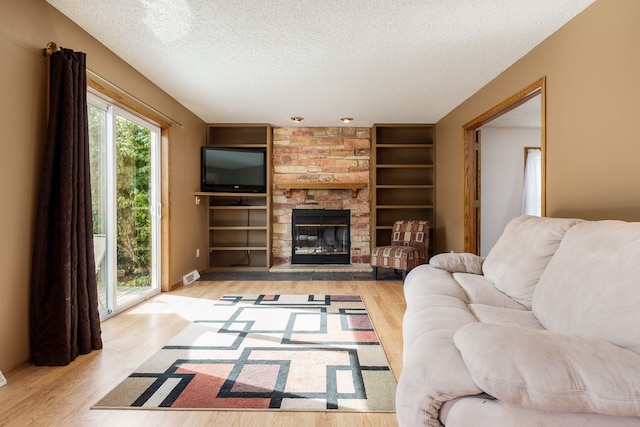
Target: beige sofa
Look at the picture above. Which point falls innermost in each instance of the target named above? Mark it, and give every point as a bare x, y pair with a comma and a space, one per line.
543, 332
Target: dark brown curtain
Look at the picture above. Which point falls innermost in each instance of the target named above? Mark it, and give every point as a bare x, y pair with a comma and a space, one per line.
64, 315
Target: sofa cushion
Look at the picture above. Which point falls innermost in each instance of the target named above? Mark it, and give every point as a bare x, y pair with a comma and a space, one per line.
481, 291
504, 316
591, 287
458, 262
522, 252
545, 370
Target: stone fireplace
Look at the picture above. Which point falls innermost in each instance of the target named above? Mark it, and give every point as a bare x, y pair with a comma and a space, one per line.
306, 156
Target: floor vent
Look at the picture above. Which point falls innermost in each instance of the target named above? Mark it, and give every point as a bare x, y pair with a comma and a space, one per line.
189, 278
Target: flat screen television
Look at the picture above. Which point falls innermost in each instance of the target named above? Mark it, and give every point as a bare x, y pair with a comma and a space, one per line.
233, 170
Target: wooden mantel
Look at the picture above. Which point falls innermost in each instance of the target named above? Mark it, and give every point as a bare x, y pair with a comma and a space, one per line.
353, 186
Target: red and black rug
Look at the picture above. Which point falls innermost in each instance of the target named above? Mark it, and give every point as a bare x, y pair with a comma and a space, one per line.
270, 352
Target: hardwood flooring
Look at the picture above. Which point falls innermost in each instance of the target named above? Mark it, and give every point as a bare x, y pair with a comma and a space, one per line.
63, 396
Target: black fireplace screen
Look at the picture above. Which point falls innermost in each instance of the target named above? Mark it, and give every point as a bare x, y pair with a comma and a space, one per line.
320, 236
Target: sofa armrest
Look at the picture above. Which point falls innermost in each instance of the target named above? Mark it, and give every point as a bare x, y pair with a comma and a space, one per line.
546, 370
458, 262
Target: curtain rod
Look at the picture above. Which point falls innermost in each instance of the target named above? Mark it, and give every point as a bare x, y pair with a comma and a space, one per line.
135, 98
52, 48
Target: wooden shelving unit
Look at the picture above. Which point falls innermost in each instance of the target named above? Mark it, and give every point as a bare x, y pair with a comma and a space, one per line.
239, 224
402, 177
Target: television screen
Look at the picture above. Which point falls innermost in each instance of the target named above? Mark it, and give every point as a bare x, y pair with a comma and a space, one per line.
234, 170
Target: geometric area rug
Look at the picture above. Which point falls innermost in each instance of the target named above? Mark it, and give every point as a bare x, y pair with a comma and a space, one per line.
267, 352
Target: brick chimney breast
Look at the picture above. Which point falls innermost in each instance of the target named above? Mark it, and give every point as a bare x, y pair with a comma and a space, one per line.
315, 154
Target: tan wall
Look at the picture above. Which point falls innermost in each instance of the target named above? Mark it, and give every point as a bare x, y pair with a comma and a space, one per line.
25, 28
592, 66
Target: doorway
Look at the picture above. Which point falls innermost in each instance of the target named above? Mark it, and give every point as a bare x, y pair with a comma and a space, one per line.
474, 226
509, 147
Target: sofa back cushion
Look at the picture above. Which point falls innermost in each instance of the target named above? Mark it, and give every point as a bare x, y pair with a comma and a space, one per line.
521, 254
591, 287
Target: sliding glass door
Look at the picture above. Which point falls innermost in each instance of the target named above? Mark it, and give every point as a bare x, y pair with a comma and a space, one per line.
126, 205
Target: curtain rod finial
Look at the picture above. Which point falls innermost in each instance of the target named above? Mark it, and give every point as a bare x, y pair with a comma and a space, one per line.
51, 48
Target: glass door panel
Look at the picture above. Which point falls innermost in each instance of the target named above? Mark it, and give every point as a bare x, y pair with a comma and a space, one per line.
126, 205
133, 192
320, 236
98, 163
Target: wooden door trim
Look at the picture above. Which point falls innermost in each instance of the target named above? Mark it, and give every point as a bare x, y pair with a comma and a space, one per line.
469, 130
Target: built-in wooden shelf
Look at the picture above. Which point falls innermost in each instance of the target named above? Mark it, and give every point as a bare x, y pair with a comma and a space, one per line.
238, 225
353, 186
402, 178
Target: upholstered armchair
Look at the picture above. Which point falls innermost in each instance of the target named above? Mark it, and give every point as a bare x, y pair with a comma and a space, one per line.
408, 249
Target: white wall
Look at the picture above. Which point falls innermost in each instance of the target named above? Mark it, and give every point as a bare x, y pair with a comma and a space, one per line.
502, 171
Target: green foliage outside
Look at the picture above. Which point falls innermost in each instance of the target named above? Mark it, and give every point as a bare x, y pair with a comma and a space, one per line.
133, 150
97, 158
133, 171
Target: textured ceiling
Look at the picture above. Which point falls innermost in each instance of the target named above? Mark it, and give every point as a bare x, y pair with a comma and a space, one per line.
379, 61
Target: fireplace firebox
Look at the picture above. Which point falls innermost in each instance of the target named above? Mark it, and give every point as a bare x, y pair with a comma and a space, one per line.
321, 236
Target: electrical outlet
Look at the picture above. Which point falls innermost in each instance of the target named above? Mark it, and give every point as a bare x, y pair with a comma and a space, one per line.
197, 253
197, 200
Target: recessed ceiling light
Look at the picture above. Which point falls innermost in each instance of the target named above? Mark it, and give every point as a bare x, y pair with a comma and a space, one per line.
346, 119
297, 119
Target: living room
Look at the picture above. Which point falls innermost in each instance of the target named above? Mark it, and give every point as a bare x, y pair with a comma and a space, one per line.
590, 68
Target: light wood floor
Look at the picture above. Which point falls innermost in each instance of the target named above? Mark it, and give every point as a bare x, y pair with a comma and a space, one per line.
62, 396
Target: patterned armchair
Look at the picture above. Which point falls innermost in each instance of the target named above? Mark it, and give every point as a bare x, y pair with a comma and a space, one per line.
408, 249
